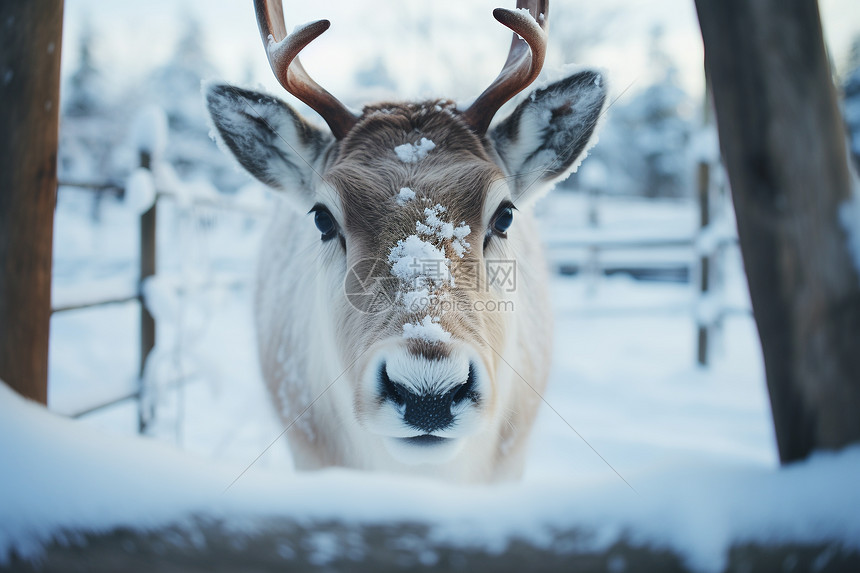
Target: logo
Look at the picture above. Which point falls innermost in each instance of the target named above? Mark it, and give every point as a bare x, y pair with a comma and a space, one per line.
369, 286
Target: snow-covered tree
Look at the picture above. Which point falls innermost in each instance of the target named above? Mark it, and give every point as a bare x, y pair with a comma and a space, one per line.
175, 88
84, 93
578, 28
96, 143
658, 129
644, 143
88, 124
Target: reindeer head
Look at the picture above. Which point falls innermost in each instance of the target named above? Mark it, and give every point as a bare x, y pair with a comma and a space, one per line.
414, 203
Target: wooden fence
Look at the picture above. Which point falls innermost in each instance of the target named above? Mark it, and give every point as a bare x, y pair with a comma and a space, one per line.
147, 267
701, 262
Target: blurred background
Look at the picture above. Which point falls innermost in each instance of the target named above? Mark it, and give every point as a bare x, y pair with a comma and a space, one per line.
656, 353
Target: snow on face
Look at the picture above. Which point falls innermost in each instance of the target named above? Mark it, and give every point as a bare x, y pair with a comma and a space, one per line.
428, 330
406, 194
414, 152
421, 264
421, 258
434, 226
412, 257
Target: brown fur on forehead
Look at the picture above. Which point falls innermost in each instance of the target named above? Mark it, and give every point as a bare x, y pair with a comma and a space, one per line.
368, 174
388, 125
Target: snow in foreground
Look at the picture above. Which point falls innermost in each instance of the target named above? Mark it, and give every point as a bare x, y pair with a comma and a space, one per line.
59, 474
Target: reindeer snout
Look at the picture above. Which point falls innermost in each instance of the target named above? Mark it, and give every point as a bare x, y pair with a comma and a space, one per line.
430, 406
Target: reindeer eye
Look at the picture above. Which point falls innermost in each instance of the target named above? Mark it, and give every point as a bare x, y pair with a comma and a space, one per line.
324, 222
503, 220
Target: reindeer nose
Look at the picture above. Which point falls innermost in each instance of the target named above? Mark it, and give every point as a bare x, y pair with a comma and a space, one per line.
427, 411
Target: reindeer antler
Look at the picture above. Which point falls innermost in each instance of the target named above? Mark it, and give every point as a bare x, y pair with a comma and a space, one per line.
283, 49
525, 59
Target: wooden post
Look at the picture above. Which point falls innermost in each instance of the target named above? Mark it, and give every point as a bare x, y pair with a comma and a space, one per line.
704, 186
783, 143
30, 42
147, 269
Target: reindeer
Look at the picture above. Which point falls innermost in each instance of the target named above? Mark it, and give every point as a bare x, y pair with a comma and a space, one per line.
391, 333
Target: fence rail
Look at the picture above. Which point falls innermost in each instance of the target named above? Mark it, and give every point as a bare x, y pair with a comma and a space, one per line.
619, 244
94, 303
103, 405
90, 186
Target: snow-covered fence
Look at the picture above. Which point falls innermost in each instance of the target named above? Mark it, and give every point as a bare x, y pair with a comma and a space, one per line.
679, 241
147, 265
597, 245
150, 184
146, 268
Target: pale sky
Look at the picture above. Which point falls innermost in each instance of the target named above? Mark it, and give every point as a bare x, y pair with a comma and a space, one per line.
134, 37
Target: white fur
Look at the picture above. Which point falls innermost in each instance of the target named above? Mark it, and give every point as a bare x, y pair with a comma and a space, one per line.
294, 311
322, 360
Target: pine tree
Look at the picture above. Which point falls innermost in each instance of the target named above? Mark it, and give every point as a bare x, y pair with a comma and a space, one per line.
84, 93
88, 130
658, 130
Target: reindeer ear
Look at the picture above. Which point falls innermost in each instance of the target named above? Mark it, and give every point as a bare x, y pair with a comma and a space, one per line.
548, 134
268, 138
